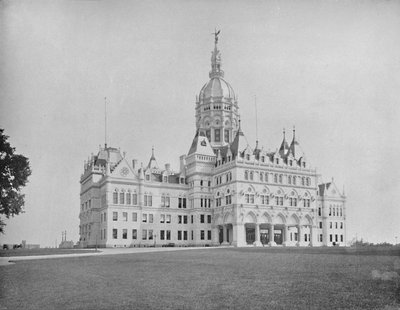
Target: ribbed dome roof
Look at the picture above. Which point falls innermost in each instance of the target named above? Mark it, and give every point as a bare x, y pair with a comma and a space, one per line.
217, 87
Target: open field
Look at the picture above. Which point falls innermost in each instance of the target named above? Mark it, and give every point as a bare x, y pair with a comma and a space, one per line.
230, 278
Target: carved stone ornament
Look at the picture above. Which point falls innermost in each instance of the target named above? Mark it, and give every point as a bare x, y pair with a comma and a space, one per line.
124, 171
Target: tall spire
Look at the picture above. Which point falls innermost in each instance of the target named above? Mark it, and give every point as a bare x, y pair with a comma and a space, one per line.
216, 58
284, 146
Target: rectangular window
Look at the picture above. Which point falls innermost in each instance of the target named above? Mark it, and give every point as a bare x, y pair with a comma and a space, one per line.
134, 234
115, 233
134, 217
179, 235
226, 135
125, 216
168, 235
209, 234
150, 218
330, 238
202, 234
150, 234
134, 199
185, 235
192, 235
319, 211
209, 219
179, 203
179, 219
162, 234
320, 224
341, 225
185, 219
336, 238
168, 218
122, 198
124, 234
320, 237
191, 219
115, 216
201, 218
144, 218
341, 238
330, 224
336, 225
115, 198
167, 200
105, 217
128, 198
162, 218
144, 234
184, 203
217, 135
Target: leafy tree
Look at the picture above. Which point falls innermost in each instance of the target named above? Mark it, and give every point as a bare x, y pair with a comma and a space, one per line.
14, 173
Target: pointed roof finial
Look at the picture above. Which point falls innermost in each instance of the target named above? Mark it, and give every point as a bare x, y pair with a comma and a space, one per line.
152, 152
240, 125
284, 134
294, 132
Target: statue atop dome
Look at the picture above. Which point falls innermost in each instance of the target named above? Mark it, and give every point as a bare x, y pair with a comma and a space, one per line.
216, 33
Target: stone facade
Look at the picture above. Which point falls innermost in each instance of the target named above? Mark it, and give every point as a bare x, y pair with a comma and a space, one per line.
225, 192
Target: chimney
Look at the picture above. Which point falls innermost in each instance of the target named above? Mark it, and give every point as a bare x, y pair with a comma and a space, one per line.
167, 167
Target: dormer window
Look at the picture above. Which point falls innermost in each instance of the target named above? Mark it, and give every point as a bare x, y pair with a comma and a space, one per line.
277, 161
248, 157
147, 177
263, 158
290, 162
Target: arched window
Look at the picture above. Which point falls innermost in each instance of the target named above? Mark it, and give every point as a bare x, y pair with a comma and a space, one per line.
266, 177
115, 197
308, 181
290, 179
280, 178
122, 198
302, 181
246, 175
294, 180
261, 177
275, 178
251, 175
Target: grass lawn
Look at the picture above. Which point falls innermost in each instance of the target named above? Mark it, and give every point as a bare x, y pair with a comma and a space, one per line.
27, 252
233, 278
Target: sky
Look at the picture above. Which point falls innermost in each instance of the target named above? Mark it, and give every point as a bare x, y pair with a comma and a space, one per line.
329, 68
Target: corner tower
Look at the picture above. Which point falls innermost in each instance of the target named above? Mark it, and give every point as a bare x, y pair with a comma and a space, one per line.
217, 108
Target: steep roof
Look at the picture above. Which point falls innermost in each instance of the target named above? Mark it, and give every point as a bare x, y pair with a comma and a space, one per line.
201, 145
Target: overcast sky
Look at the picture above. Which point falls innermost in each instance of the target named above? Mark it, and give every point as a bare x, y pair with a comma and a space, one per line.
331, 68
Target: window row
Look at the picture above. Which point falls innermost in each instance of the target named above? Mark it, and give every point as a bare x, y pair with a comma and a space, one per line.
149, 218
336, 238
217, 135
337, 225
87, 205
277, 178
148, 234
227, 177
335, 211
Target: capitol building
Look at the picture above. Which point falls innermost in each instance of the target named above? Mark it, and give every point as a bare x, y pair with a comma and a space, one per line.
226, 191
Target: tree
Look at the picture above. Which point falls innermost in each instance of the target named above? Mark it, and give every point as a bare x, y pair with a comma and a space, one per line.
14, 173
